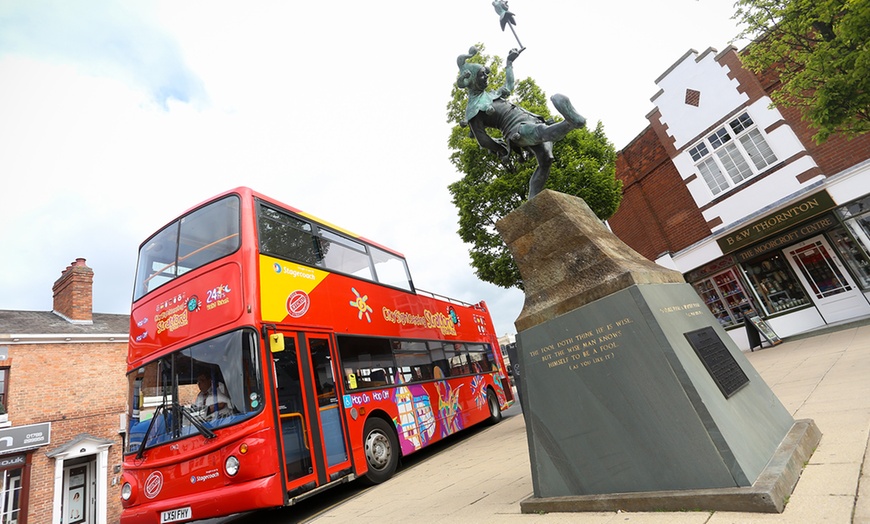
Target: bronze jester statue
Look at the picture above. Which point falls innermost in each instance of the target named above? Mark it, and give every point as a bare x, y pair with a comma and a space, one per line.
520, 128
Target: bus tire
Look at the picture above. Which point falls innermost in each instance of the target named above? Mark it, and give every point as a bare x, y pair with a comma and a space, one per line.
381, 448
494, 409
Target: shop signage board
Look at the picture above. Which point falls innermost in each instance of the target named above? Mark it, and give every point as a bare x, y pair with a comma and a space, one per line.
17, 438
760, 327
796, 213
785, 239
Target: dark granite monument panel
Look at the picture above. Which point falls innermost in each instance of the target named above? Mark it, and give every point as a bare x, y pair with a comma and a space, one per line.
617, 400
724, 370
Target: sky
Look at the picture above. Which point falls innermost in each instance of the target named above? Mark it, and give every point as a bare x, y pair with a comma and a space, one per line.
117, 116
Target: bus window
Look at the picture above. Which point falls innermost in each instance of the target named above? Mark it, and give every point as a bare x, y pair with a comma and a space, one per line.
479, 359
212, 384
440, 366
413, 360
369, 359
391, 270
345, 255
457, 359
200, 237
288, 237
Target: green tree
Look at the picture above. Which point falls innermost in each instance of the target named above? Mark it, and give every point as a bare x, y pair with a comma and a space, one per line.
821, 51
489, 190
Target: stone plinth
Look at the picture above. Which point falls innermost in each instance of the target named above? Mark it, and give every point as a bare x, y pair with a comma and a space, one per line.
568, 258
631, 390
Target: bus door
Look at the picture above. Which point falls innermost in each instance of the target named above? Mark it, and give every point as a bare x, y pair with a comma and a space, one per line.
312, 432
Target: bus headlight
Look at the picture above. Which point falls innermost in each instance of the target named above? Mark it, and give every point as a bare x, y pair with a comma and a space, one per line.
232, 466
126, 491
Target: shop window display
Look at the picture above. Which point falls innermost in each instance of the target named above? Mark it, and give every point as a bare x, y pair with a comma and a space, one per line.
775, 284
850, 250
854, 245
725, 296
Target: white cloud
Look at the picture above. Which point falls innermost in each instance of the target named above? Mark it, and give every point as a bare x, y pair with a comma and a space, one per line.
101, 38
117, 116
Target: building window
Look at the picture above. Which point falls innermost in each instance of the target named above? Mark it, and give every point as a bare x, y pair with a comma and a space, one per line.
4, 380
774, 284
731, 154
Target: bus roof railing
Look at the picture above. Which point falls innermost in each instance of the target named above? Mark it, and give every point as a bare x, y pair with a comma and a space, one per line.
446, 298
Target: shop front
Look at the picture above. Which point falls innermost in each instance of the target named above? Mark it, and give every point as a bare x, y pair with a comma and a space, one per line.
804, 266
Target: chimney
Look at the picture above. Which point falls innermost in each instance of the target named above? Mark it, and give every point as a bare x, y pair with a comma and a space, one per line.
74, 293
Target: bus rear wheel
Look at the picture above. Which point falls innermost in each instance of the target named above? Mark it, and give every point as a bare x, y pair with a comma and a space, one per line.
382, 450
494, 409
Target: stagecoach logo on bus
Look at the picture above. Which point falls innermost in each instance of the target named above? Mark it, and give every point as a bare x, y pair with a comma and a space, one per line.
298, 303
209, 475
153, 484
300, 271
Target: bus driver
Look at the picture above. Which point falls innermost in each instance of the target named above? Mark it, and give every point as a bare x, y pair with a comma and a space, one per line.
212, 402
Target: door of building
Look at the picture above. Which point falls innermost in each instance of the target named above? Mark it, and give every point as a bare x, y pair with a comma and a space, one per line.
79, 493
825, 277
10, 498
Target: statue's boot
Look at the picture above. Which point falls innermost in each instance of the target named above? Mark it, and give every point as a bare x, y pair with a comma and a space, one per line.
564, 107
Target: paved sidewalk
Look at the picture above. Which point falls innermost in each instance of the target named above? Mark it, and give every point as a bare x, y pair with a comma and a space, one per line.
482, 479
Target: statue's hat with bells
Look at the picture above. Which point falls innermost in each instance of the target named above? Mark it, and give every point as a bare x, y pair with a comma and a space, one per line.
467, 70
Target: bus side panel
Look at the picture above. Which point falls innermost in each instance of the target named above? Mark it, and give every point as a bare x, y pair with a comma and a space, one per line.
423, 413
295, 294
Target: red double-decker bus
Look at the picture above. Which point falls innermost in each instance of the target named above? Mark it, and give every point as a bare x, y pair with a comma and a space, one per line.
273, 355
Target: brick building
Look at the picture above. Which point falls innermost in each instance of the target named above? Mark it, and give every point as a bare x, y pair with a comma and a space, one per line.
736, 195
62, 383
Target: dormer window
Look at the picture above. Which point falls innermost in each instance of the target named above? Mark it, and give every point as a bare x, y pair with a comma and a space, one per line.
731, 154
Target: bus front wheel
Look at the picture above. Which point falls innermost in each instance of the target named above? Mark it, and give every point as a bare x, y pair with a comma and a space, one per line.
382, 450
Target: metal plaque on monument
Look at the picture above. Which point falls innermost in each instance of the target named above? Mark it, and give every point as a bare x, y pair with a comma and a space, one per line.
634, 396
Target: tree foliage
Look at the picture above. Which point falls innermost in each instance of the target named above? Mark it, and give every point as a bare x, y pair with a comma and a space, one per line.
821, 51
489, 190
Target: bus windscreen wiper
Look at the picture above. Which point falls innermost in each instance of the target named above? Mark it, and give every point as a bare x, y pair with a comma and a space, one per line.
202, 428
148, 431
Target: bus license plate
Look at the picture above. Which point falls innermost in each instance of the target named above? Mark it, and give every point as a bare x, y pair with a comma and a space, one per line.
175, 515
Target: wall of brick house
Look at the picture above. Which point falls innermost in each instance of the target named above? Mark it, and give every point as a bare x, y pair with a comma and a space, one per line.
657, 213
79, 388
749, 83
832, 156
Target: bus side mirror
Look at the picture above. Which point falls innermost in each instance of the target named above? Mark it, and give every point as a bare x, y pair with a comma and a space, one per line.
276, 342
